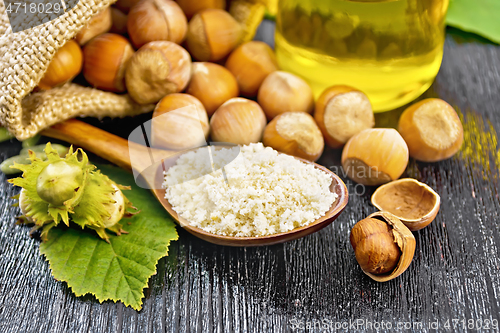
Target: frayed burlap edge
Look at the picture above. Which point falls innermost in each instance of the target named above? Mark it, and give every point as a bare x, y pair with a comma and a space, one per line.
25, 57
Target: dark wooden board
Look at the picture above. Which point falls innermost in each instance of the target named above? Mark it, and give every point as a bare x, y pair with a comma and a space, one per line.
200, 287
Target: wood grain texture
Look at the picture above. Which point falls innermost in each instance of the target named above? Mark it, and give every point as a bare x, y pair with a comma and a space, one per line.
202, 287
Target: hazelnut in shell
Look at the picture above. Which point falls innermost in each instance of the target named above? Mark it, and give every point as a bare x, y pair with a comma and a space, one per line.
432, 130
99, 24
375, 156
414, 203
341, 112
250, 64
155, 20
179, 122
119, 21
212, 84
383, 245
105, 58
239, 121
295, 133
191, 7
64, 66
125, 5
284, 92
157, 69
212, 35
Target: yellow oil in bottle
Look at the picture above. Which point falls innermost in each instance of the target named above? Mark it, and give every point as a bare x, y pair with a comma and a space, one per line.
389, 49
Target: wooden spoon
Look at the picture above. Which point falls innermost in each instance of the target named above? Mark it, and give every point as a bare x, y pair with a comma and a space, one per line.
117, 150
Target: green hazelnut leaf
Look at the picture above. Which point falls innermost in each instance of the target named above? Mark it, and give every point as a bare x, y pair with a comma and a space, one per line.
118, 270
477, 16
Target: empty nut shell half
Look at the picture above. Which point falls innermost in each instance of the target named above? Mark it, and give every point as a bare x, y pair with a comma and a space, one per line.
414, 203
364, 240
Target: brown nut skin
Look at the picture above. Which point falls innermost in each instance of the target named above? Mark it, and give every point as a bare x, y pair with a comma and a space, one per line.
191, 7
157, 69
414, 203
342, 112
250, 64
282, 92
179, 122
239, 121
375, 156
295, 133
212, 84
119, 21
99, 24
105, 58
432, 130
212, 35
125, 5
64, 66
155, 20
383, 245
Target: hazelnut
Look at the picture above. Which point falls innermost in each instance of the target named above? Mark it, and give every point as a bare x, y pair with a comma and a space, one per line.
191, 7
384, 247
284, 92
341, 112
125, 5
155, 20
99, 24
295, 133
157, 69
239, 121
250, 64
64, 66
212, 84
119, 21
105, 58
212, 35
375, 156
414, 203
179, 122
432, 130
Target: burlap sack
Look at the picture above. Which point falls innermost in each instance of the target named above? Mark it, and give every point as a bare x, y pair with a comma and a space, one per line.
25, 56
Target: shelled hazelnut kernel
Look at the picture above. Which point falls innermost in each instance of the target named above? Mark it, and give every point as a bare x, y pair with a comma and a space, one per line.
179, 122
341, 112
64, 66
375, 156
157, 69
105, 58
250, 64
155, 20
284, 92
212, 35
212, 84
432, 130
295, 133
99, 24
191, 7
239, 121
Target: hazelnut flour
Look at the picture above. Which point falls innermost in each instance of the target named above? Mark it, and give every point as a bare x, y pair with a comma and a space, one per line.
260, 192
